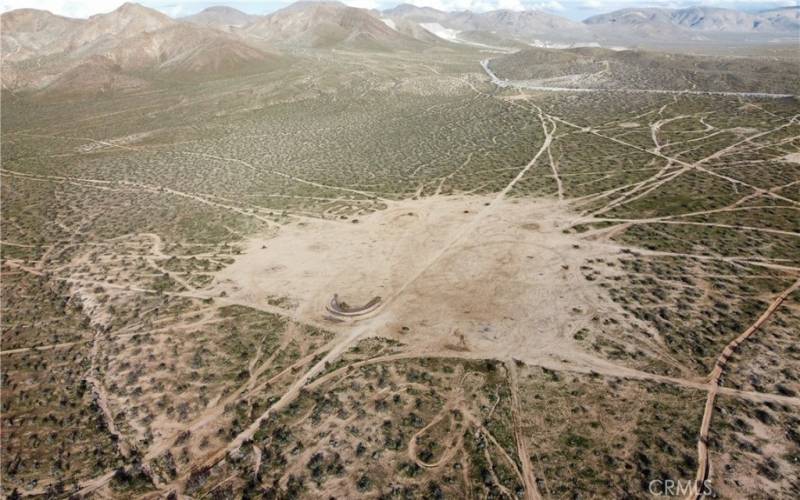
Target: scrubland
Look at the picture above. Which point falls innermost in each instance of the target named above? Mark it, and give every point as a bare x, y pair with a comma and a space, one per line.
559, 276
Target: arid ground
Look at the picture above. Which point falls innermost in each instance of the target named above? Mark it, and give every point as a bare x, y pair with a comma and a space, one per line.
378, 274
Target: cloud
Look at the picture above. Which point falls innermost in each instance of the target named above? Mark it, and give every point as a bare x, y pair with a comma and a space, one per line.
552, 5
510, 5
591, 4
363, 4
64, 7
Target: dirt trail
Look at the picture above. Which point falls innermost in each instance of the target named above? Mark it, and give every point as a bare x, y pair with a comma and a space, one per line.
290, 395
86, 486
374, 322
149, 188
449, 176
367, 194
216, 411
586, 365
531, 488
704, 465
655, 128
455, 400
62, 345
278, 311
671, 221
554, 168
469, 417
475, 221
568, 360
665, 175
736, 259
451, 450
504, 83
107, 144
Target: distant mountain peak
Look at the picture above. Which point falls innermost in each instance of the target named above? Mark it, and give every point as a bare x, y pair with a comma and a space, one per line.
133, 11
220, 8
663, 22
329, 24
220, 16
134, 8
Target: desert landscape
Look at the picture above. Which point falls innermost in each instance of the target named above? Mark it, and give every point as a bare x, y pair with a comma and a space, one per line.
335, 252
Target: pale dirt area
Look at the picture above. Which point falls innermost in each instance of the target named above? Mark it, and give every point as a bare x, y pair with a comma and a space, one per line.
792, 157
508, 286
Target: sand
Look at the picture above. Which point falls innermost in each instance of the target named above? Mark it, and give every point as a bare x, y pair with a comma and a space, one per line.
510, 286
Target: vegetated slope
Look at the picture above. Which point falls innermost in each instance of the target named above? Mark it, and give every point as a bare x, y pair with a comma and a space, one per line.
658, 22
220, 17
329, 24
608, 69
183, 47
95, 73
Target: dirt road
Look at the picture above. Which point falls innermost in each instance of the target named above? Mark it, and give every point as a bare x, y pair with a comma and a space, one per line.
704, 465
521, 84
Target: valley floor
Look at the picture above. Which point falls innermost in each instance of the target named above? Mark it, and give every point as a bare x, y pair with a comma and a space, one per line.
580, 293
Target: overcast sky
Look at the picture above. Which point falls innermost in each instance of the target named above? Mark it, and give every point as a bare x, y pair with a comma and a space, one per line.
575, 9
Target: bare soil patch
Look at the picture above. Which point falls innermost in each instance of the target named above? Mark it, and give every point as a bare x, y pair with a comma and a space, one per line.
793, 157
511, 286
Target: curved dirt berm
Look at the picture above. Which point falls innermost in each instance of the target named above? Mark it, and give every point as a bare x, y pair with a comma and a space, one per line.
343, 309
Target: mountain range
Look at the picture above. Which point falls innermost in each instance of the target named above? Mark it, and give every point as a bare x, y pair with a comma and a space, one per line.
120, 49
328, 24
630, 26
701, 19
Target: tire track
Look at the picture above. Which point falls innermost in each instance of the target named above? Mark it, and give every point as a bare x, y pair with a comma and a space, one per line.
703, 462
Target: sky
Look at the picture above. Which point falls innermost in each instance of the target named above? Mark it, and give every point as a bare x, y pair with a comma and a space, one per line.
573, 9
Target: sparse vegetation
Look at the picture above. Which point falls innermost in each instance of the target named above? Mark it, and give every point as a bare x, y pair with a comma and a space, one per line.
559, 276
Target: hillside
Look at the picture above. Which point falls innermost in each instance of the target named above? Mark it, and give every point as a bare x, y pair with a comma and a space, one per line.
667, 22
128, 20
27, 33
531, 25
103, 52
187, 48
629, 69
40, 47
220, 17
328, 25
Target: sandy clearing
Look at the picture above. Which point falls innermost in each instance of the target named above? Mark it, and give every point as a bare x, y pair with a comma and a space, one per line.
512, 288
309, 262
